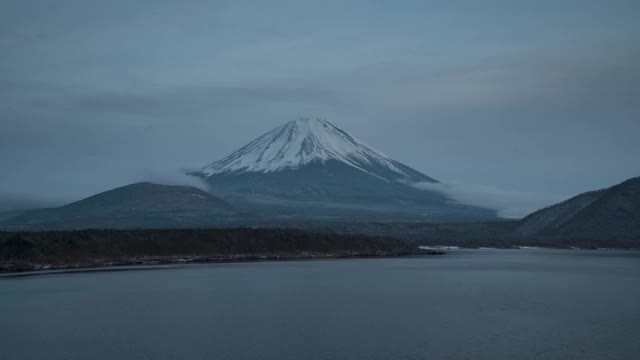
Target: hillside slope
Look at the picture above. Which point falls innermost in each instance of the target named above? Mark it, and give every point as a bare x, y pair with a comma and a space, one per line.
615, 214
554, 216
133, 206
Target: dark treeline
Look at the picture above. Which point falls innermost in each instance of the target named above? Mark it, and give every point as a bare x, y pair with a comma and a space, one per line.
86, 247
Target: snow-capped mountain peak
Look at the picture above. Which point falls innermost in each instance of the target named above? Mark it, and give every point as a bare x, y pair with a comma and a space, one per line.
304, 141
312, 168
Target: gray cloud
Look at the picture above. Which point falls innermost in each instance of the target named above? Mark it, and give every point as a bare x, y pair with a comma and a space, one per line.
160, 102
510, 204
197, 98
587, 75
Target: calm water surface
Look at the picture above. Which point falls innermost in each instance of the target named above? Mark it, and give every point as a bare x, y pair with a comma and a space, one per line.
469, 304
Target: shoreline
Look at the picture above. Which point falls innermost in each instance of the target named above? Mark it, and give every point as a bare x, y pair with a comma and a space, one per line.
457, 247
139, 263
59, 250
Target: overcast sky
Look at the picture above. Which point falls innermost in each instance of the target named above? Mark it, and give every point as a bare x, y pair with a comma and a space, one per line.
540, 98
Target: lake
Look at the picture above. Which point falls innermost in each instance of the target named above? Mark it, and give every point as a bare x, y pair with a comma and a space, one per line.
468, 304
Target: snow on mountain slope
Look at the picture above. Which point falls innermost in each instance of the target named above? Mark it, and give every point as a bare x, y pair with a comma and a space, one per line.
311, 167
304, 141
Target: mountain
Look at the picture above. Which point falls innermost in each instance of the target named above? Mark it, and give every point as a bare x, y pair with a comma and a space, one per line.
9, 214
140, 205
555, 216
608, 218
312, 167
613, 213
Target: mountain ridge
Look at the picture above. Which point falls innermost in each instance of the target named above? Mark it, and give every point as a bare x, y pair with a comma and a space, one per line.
614, 212
304, 141
136, 205
312, 166
554, 216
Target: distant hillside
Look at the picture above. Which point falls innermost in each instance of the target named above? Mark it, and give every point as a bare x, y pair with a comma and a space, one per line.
596, 219
10, 214
613, 213
551, 218
602, 218
133, 206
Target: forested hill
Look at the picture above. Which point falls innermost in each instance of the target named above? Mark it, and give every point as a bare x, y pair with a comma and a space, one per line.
86, 248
